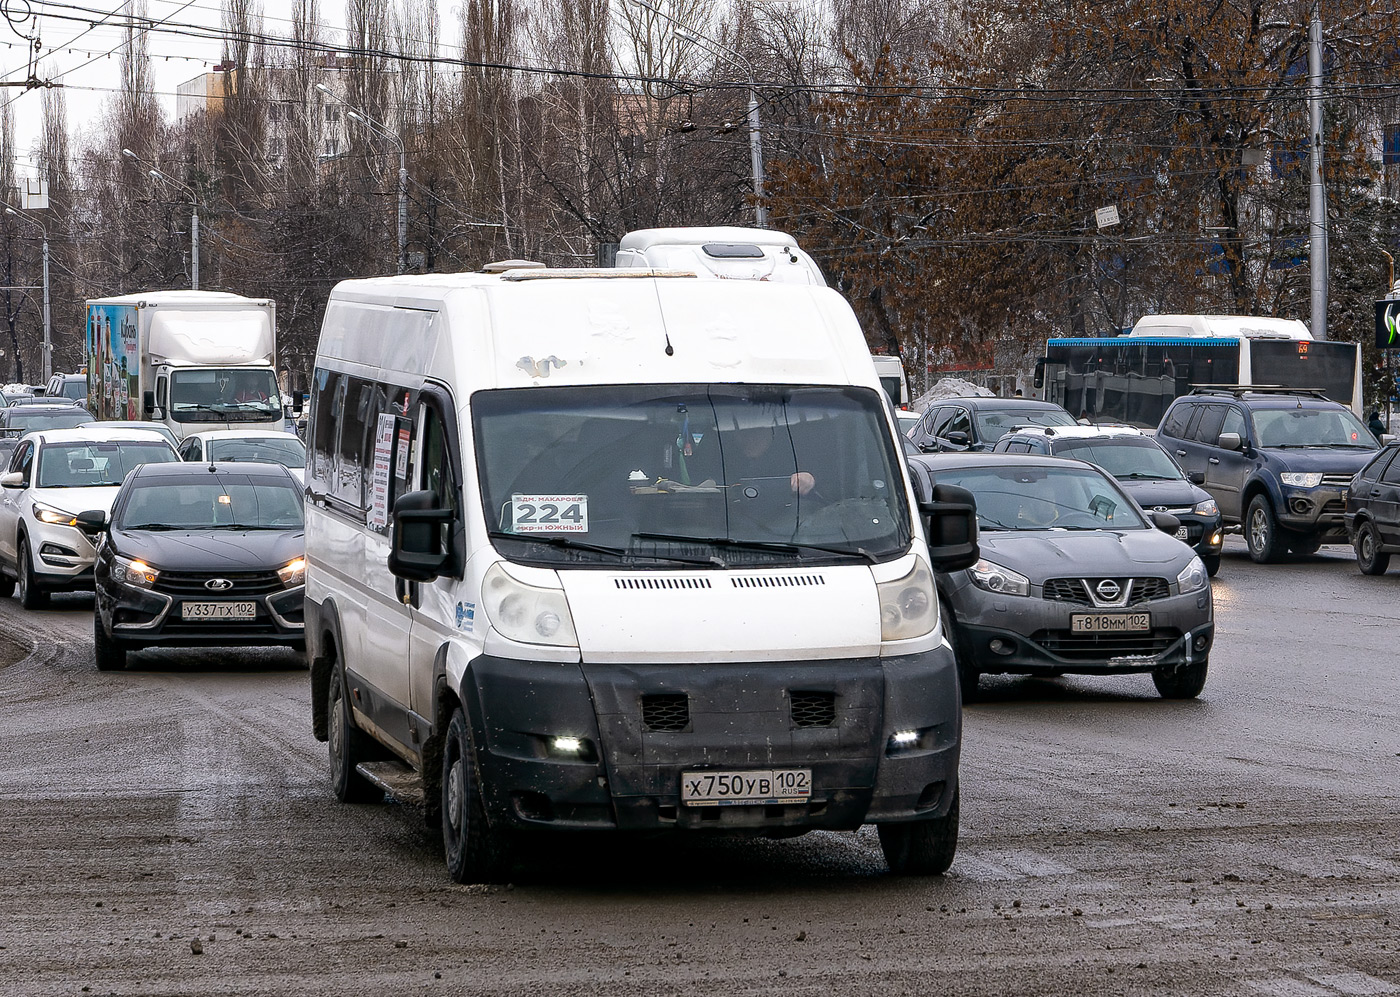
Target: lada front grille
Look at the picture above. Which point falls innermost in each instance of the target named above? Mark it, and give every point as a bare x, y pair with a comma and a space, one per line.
245, 583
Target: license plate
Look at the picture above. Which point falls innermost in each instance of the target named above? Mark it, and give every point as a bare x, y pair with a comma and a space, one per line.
750, 787
218, 610
1181, 533
1110, 623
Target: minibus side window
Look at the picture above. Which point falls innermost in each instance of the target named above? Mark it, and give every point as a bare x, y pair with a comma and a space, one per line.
350, 473
436, 468
326, 402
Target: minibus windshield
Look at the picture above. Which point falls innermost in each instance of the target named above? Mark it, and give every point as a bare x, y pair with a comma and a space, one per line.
718, 474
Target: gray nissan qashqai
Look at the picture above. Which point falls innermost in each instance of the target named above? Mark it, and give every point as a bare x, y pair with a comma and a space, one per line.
1073, 577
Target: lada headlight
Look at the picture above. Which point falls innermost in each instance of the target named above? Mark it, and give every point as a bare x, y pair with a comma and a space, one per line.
137, 574
908, 605
527, 613
1193, 577
994, 578
293, 573
1206, 507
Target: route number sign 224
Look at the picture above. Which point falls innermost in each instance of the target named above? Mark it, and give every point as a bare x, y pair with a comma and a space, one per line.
549, 514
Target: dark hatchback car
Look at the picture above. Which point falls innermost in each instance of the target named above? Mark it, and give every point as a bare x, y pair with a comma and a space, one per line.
16, 420
957, 424
1278, 461
1143, 468
212, 555
1373, 511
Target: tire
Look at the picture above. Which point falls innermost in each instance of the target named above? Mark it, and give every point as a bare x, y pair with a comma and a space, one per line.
347, 746
109, 653
475, 851
1369, 557
1181, 683
921, 847
31, 596
1212, 563
968, 674
1261, 532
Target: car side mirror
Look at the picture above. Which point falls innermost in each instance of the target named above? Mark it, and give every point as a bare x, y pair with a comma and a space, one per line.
12, 479
1229, 441
950, 520
958, 438
419, 552
1196, 477
929, 446
1165, 522
1039, 380
92, 521
1387, 438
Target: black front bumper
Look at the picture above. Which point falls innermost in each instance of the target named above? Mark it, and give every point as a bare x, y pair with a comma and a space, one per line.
1320, 510
142, 617
643, 726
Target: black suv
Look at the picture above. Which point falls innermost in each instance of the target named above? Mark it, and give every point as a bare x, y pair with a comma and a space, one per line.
956, 424
1373, 512
1278, 461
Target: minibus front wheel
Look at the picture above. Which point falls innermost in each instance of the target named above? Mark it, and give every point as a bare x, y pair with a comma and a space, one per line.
921, 847
475, 851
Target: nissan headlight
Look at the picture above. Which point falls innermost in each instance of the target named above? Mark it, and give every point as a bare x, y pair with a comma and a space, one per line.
137, 574
1300, 480
908, 605
1206, 507
293, 573
1193, 577
526, 613
995, 578
54, 517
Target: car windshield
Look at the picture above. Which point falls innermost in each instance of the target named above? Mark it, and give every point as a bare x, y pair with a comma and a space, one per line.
1311, 427
19, 421
288, 452
92, 465
1132, 459
1037, 497
702, 473
993, 424
213, 502
224, 395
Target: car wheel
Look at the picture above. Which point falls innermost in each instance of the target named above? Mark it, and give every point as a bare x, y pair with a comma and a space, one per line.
1181, 683
109, 653
1212, 563
347, 746
475, 851
921, 847
31, 596
1369, 557
1261, 532
968, 674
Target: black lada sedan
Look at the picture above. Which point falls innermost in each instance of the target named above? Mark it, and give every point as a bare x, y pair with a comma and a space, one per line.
200, 555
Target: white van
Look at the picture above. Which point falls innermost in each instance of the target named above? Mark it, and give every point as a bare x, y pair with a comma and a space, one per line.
890, 371
612, 550
727, 252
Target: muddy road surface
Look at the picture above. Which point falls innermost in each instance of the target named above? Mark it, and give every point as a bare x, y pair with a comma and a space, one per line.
170, 830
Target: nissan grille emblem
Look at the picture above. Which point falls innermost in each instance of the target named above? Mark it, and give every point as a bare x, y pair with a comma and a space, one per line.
1108, 590
223, 584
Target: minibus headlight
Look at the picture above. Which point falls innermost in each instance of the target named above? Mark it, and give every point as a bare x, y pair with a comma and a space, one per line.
908, 605
526, 613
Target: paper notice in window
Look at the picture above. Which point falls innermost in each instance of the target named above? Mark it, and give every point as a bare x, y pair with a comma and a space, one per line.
379, 482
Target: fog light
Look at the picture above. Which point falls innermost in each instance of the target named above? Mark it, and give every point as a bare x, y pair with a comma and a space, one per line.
904, 738
1200, 642
1003, 647
1300, 506
1217, 538
567, 745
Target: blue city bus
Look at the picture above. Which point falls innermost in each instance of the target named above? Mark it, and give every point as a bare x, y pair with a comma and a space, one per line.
1133, 378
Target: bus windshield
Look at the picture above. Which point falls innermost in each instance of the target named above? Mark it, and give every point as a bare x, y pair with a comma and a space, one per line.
708, 474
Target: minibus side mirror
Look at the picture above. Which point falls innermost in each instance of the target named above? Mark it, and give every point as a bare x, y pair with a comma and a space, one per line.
950, 520
419, 552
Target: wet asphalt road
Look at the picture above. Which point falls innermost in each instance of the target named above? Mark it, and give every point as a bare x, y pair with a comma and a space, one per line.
1112, 843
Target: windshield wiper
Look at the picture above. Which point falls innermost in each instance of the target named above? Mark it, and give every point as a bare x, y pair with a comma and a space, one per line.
569, 543
780, 546
1145, 476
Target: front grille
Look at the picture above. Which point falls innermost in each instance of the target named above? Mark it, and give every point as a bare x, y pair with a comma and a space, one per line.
666, 712
1091, 647
813, 709
245, 583
1334, 506
1337, 480
1077, 589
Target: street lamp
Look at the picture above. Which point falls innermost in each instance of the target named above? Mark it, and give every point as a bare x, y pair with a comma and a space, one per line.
363, 117
755, 128
48, 346
156, 174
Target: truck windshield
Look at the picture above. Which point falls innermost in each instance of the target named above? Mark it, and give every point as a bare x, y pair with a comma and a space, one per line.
657, 475
224, 395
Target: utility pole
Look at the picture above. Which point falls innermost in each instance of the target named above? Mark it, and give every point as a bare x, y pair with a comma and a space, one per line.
48, 342
1317, 195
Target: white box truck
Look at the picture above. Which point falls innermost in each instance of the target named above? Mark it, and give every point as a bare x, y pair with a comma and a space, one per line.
193, 360
610, 550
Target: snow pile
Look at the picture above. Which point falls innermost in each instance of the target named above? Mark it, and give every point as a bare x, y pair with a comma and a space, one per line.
949, 387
